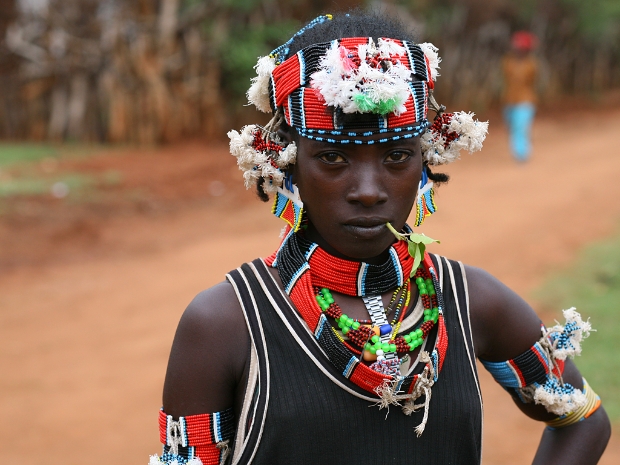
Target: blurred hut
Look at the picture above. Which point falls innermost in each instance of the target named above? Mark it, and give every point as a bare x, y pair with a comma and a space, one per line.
153, 71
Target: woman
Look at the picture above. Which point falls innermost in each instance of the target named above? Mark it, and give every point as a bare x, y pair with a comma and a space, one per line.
520, 70
280, 362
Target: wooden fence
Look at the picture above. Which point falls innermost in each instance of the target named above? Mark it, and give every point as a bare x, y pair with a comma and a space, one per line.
115, 71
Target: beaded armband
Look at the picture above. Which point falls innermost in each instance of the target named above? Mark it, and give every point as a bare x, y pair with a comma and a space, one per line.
536, 374
195, 439
593, 402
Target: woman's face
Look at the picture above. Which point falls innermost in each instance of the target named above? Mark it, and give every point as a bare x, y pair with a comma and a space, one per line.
350, 191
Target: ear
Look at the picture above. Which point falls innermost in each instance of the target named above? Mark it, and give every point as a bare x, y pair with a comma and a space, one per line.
287, 133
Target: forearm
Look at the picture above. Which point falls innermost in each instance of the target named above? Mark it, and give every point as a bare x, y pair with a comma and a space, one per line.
581, 444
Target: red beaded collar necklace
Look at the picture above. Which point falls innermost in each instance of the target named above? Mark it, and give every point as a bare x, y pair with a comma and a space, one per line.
303, 265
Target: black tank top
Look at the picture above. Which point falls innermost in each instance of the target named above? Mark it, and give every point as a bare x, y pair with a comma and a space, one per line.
300, 410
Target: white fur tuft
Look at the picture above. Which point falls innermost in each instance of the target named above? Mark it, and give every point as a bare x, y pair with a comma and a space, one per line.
258, 93
333, 79
433, 148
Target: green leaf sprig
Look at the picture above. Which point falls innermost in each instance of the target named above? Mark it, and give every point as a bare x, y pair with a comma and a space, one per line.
416, 243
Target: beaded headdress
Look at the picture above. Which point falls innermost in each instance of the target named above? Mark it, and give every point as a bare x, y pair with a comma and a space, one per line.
352, 90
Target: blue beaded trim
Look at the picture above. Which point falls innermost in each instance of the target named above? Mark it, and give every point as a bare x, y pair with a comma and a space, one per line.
319, 327
296, 276
397, 266
350, 366
400, 133
435, 362
281, 53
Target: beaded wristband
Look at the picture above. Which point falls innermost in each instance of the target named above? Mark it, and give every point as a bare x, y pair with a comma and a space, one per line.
593, 402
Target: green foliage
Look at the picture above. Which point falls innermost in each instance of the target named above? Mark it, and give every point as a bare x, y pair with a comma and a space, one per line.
598, 20
17, 153
244, 46
30, 152
593, 286
416, 244
31, 169
73, 183
243, 5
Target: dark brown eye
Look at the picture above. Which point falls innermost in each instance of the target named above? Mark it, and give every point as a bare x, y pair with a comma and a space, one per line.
397, 156
332, 157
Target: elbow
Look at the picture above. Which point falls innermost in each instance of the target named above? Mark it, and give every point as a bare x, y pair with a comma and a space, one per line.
601, 428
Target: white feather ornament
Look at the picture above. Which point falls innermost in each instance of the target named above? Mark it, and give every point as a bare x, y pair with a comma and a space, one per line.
430, 51
559, 403
257, 164
433, 148
558, 343
367, 88
388, 47
452, 132
471, 132
567, 338
258, 93
288, 155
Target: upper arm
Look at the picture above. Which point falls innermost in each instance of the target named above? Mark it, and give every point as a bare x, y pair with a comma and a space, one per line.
504, 326
208, 357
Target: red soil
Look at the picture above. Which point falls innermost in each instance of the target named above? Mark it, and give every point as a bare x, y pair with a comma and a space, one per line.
91, 292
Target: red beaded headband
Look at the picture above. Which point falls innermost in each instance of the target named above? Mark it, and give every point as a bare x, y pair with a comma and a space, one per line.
350, 90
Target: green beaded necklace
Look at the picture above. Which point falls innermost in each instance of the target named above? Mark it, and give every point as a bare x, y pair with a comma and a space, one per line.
366, 338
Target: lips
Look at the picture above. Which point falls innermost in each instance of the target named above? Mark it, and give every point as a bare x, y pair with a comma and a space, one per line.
366, 228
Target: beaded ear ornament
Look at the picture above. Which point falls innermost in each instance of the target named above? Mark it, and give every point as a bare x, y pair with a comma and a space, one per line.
442, 143
263, 157
450, 133
262, 154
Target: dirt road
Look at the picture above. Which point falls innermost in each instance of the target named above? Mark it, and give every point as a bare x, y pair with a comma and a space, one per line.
85, 340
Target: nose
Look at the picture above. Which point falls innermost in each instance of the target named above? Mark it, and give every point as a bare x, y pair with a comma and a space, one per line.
367, 187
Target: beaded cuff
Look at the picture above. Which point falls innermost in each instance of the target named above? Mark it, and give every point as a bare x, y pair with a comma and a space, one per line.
536, 374
195, 439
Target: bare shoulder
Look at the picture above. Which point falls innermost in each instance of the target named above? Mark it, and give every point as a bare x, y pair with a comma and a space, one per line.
212, 310
503, 324
209, 354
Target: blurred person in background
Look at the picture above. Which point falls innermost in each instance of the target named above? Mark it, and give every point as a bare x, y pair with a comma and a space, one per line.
279, 363
520, 70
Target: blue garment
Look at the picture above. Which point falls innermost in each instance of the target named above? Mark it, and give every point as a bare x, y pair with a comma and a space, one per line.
519, 118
